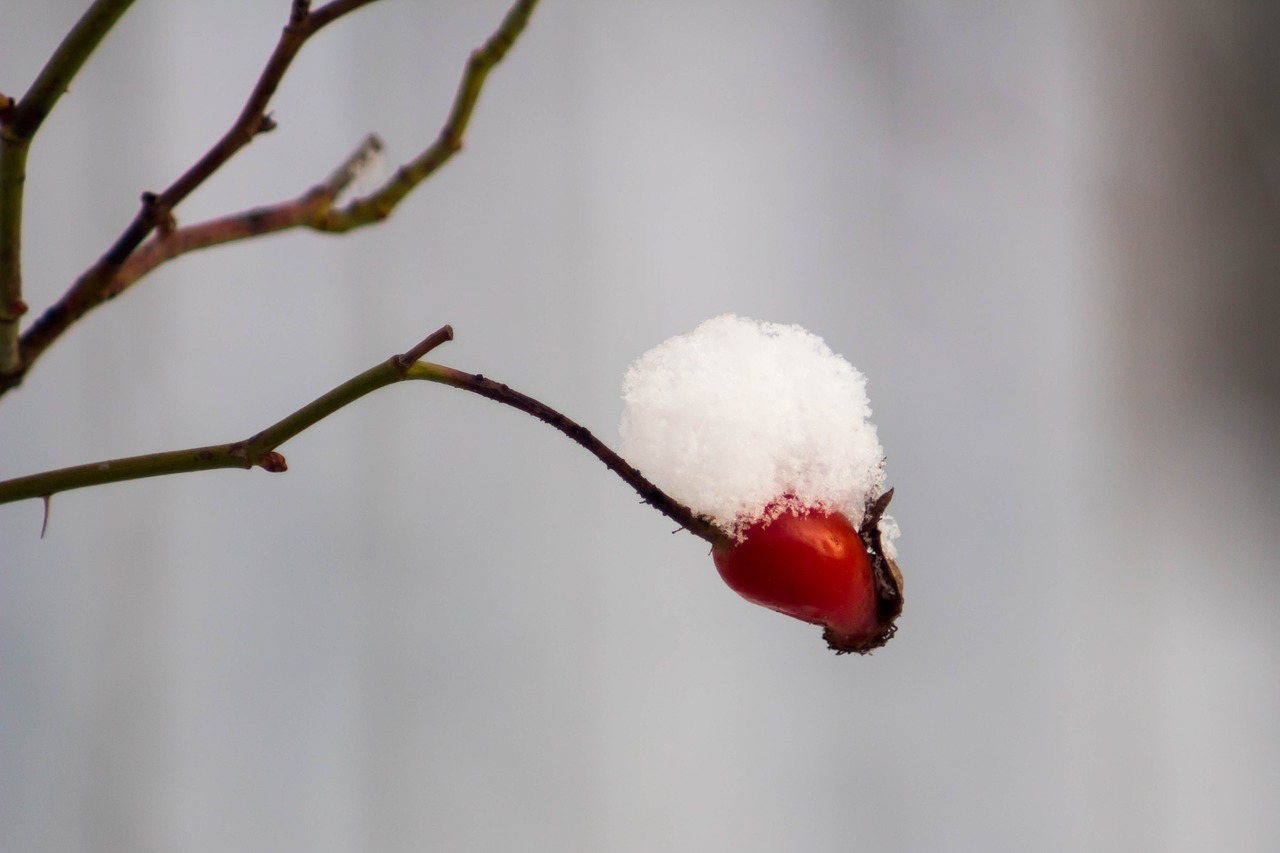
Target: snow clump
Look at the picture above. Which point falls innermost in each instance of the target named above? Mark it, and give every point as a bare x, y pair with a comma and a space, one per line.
740, 419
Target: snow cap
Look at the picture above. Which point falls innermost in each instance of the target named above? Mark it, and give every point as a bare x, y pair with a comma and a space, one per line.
740, 419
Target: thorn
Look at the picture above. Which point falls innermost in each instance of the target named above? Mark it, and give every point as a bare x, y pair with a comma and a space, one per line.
44, 525
16, 309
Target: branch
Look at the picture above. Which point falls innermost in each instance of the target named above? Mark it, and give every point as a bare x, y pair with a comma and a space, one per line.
261, 449
18, 125
378, 205
92, 287
257, 222
119, 269
253, 120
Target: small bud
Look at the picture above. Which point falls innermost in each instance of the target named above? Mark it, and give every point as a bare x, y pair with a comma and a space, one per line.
273, 462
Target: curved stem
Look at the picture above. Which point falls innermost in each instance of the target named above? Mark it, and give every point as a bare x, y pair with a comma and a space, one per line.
260, 450
682, 515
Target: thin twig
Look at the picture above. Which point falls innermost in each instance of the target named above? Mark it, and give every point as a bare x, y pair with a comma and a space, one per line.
261, 449
257, 222
378, 205
18, 125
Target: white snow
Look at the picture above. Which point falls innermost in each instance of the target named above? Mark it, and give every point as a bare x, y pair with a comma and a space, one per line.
740, 417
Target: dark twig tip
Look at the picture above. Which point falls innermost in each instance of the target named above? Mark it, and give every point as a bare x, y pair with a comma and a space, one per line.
301, 9
441, 335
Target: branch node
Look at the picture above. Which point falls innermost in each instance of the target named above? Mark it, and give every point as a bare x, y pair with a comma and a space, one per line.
266, 124
157, 214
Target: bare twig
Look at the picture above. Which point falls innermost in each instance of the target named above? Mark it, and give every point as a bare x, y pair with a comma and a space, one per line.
124, 264
378, 205
18, 125
261, 449
240, 226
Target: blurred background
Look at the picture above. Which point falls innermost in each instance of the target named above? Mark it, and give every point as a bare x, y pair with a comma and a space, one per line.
1048, 232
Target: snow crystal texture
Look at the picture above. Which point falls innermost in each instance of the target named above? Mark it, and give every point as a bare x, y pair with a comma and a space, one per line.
740, 418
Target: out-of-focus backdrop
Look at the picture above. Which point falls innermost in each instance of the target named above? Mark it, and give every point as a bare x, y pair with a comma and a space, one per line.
1048, 232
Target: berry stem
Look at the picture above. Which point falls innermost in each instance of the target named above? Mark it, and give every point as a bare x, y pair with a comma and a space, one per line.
698, 525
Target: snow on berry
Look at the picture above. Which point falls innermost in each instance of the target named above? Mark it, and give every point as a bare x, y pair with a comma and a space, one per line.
741, 420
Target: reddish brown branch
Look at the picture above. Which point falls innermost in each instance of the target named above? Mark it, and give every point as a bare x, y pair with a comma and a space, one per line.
301, 211
251, 121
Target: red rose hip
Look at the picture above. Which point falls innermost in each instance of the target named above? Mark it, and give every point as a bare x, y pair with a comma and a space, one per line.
814, 566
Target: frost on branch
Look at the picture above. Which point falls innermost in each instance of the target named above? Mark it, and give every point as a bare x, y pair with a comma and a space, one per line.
740, 419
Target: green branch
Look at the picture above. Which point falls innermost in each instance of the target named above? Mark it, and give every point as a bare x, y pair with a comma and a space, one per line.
62, 67
258, 451
378, 205
18, 125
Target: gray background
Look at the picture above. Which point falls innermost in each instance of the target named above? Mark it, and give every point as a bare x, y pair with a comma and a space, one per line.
1047, 232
